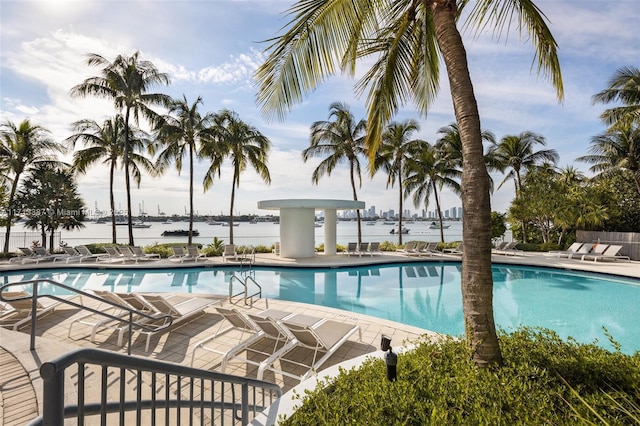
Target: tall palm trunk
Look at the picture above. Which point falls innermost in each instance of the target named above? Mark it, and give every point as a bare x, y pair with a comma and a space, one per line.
127, 179
12, 194
435, 194
355, 198
400, 206
233, 199
523, 223
477, 280
190, 193
112, 203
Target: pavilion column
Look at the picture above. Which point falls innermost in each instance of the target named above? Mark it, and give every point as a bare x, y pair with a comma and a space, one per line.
330, 232
297, 239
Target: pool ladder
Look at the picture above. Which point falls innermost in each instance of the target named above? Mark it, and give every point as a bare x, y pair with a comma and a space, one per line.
246, 297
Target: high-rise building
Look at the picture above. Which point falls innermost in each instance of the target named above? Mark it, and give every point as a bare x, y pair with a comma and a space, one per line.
460, 212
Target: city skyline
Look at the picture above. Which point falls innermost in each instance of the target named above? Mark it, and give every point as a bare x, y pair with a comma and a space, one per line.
216, 50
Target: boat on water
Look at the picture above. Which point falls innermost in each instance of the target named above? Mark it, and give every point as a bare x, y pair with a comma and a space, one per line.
140, 225
371, 223
180, 233
227, 224
214, 223
386, 222
395, 231
436, 226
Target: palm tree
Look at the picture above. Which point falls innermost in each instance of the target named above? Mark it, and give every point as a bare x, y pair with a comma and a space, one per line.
450, 143
427, 170
23, 146
51, 199
181, 135
243, 144
408, 38
616, 150
624, 87
339, 139
126, 81
105, 144
518, 154
396, 147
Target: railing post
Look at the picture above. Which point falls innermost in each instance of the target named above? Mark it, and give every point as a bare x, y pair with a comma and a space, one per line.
130, 332
245, 403
34, 316
53, 395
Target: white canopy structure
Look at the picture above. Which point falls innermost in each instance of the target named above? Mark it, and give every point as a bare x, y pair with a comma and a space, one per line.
297, 224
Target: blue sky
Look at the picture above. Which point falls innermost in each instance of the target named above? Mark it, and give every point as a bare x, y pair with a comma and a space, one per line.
211, 49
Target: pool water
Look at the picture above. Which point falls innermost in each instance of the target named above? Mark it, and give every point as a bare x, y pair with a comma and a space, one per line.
425, 295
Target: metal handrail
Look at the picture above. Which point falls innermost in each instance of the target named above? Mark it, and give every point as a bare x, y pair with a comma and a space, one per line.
250, 297
245, 289
34, 304
55, 410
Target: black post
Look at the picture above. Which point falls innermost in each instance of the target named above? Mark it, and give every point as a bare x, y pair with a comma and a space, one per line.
390, 358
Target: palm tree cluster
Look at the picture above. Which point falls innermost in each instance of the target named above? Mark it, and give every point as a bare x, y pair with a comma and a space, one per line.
118, 142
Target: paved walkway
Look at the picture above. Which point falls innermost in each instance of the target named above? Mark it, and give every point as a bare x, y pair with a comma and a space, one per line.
21, 387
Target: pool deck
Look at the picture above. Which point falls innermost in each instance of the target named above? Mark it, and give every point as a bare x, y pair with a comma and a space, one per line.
21, 386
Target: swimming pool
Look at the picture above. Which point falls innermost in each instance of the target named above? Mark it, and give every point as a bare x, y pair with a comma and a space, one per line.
425, 295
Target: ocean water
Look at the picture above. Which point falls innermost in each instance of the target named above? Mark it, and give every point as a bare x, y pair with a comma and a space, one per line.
262, 233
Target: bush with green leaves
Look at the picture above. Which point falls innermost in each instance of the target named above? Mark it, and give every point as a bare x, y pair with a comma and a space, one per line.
544, 380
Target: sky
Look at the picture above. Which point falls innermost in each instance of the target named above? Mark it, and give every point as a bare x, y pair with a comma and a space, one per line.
212, 48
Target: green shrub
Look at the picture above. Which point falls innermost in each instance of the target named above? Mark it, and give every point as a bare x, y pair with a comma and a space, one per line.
388, 246
544, 380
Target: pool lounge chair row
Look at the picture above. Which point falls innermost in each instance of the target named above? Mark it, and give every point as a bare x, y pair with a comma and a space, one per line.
294, 345
590, 251
419, 248
507, 248
151, 313
363, 249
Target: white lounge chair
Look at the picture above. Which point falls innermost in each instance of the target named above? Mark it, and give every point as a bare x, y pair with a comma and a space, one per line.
87, 255
573, 248
179, 254
610, 253
140, 254
120, 305
128, 254
596, 250
26, 252
276, 248
165, 309
40, 254
233, 320
431, 249
509, 248
454, 250
19, 306
229, 252
72, 255
418, 248
194, 253
353, 249
271, 340
584, 249
317, 338
372, 248
408, 248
